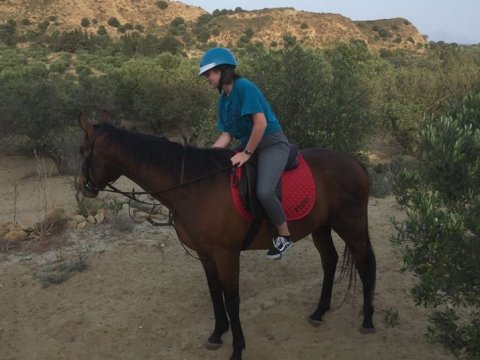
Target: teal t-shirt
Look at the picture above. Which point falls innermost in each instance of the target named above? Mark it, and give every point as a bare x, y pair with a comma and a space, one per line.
235, 111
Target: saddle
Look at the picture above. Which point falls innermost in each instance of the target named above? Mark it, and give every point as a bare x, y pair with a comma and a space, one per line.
297, 197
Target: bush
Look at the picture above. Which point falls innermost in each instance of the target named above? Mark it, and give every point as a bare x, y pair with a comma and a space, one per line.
85, 22
384, 33
203, 35
325, 104
440, 238
113, 21
162, 5
177, 22
101, 30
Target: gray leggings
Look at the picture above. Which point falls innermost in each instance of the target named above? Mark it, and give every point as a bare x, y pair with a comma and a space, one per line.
272, 152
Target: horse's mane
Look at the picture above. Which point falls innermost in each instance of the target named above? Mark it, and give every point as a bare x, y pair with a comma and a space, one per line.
166, 154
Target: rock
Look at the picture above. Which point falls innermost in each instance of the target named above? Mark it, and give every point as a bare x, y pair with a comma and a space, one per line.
99, 218
72, 224
164, 211
78, 218
140, 215
15, 235
11, 226
27, 226
82, 225
91, 219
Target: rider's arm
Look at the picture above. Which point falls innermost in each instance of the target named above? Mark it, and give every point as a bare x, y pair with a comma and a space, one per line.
223, 140
259, 126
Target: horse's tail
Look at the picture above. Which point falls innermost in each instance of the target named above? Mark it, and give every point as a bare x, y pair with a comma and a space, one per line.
348, 266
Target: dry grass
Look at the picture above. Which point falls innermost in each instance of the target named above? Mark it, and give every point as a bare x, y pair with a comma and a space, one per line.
46, 232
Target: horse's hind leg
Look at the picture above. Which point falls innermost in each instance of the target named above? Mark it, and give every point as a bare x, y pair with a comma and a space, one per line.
216, 293
322, 238
358, 241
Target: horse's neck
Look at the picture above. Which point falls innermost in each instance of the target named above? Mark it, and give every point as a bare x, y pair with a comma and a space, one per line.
151, 178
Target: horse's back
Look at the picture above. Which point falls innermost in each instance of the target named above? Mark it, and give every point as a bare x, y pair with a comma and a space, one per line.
339, 177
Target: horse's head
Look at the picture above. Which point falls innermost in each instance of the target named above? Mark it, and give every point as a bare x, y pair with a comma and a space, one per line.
98, 169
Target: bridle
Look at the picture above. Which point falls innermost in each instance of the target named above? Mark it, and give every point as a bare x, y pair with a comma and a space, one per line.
86, 166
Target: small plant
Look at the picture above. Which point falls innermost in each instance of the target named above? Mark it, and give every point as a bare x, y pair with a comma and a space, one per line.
390, 318
60, 273
123, 223
381, 178
88, 207
42, 233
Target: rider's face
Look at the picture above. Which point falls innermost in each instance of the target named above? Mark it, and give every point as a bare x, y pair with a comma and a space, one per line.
213, 77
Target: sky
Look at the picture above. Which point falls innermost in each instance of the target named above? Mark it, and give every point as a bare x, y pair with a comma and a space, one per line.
442, 20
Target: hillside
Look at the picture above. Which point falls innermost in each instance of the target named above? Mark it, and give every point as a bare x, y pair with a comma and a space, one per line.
197, 27
67, 14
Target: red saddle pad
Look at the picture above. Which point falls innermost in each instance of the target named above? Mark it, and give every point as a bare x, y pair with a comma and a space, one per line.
298, 192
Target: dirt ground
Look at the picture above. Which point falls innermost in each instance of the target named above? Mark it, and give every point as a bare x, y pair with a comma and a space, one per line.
142, 297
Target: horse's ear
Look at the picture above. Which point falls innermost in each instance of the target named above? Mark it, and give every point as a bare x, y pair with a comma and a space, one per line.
86, 125
106, 117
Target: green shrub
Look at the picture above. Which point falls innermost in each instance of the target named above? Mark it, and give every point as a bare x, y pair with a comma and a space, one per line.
384, 33
101, 30
85, 22
440, 238
203, 35
177, 22
162, 5
113, 21
324, 104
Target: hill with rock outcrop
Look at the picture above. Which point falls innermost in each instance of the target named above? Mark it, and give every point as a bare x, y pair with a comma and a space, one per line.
196, 28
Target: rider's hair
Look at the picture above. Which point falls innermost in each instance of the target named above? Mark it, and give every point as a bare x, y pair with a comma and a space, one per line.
228, 75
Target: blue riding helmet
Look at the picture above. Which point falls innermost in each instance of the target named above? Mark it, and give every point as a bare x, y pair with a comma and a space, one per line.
215, 57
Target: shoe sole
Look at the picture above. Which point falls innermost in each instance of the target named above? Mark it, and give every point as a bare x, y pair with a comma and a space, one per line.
275, 257
278, 256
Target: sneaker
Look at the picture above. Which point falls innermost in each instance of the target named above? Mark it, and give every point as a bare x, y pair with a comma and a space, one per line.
280, 245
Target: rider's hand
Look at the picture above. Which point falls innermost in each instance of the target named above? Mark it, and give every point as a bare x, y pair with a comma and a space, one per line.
240, 158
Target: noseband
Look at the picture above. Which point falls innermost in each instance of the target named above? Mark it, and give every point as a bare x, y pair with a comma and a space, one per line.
86, 167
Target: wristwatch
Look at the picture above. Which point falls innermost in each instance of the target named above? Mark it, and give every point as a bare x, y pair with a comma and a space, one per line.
248, 152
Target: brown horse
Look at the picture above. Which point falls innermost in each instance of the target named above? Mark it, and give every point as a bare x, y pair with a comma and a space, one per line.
207, 222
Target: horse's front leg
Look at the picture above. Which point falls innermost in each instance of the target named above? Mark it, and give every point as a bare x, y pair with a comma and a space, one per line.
216, 293
228, 267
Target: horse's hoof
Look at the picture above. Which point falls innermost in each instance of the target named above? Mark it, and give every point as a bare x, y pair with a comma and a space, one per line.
212, 346
364, 330
313, 322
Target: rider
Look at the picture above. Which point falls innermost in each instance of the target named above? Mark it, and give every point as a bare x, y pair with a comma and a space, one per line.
245, 114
